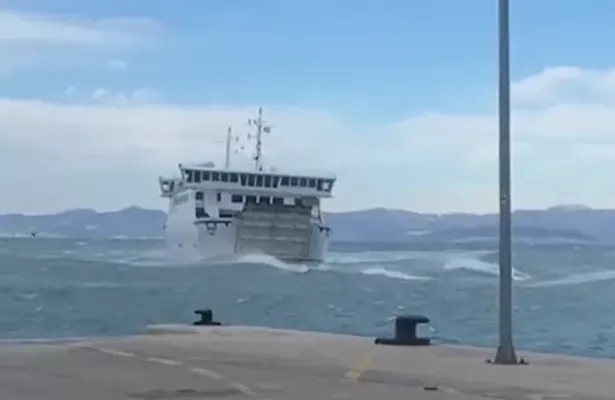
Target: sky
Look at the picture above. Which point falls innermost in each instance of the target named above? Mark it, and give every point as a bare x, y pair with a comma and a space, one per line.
397, 97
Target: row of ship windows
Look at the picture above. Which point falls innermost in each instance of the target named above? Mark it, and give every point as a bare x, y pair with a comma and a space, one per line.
257, 180
238, 199
201, 213
249, 199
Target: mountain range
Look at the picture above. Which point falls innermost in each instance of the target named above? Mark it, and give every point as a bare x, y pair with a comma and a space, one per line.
569, 223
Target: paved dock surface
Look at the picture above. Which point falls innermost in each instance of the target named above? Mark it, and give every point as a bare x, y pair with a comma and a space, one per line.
177, 363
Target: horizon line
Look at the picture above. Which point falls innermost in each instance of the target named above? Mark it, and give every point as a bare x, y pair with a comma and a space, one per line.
557, 207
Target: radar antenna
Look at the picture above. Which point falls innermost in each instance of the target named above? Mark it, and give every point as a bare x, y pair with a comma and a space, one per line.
261, 127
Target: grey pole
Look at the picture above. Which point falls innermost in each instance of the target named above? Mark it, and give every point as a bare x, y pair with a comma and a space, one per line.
506, 351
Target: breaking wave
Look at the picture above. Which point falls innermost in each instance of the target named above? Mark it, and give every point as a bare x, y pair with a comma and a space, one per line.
475, 265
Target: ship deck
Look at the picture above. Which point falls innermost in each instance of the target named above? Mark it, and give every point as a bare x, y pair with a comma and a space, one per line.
177, 362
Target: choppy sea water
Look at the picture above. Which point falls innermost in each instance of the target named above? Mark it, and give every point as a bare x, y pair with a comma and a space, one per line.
564, 294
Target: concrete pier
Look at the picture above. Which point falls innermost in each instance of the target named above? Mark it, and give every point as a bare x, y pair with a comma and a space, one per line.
186, 362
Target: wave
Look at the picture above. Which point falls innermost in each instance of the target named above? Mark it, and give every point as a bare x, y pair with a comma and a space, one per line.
269, 261
369, 257
272, 262
576, 279
366, 263
476, 265
386, 257
379, 271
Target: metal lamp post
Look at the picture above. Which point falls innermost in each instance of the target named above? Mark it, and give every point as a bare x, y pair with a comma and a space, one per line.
506, 351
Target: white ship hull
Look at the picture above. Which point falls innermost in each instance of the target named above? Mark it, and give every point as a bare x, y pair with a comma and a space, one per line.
287, 235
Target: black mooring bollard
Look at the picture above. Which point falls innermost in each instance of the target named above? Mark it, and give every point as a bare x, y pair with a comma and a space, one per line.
207, 318
405, 332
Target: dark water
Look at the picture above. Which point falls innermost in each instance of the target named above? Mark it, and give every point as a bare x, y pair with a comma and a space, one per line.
564, 295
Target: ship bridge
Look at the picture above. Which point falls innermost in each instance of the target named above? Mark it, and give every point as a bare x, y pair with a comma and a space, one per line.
283, 184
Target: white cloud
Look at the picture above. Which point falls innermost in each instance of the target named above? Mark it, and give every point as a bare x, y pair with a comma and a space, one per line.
23, 27
108, 155
28, 40
133, 98
100, 93
565, 84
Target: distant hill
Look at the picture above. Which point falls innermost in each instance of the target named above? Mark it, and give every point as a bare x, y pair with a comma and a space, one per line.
556, 223
133, 222
575, 223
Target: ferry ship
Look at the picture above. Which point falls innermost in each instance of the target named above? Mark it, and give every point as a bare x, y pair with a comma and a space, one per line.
225, 212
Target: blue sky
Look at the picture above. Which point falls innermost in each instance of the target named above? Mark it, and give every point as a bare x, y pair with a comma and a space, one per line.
395, 95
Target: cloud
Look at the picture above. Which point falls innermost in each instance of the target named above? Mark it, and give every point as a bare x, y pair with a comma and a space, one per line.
24, 27
108, 150
133, 98
565, 84
28, 39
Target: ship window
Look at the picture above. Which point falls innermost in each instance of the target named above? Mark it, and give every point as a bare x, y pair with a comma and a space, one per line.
233, 177
224, 177
244, 179
219, 197
312, 183
278, 201
206, 175
267, 181
250, 180
319, 185
198, 196
237, 198
264, 200
327, 185
215, 176
250, 199
197, 176
188, 175
284, 181
303, 182
259, 180
199, 212
227, 213
276, 180
298, 203
294, 181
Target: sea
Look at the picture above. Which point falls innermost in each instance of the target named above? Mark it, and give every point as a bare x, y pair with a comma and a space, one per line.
564, 294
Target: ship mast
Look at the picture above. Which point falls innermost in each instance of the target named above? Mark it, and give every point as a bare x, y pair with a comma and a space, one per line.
261, 127
229, 137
